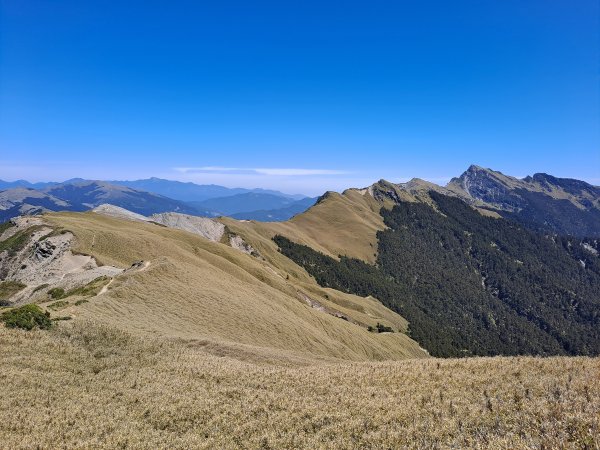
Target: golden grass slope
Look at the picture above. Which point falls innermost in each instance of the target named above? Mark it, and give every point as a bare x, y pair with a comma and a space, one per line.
339, 224
205, 291
87, 386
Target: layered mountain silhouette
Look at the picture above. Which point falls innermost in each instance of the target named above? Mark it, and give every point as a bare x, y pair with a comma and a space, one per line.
252, 205
82, 196
540, 202
192, 192
147, 197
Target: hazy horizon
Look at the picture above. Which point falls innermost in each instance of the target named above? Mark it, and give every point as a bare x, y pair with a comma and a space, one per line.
257, 180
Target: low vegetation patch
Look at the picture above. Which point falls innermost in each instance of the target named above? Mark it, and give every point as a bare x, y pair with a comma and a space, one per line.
56, 293
5, 226
380, 328
57, 319
18, 241
10, 288
81, 302
89, 290
26, 317
58, 305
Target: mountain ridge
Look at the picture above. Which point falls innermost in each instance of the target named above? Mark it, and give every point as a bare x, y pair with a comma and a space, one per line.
177, 190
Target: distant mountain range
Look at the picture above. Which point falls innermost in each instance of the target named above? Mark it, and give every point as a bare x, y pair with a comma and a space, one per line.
148, 197
191, 192
186, 192
541, 202
82, 196
277, 214
252, 204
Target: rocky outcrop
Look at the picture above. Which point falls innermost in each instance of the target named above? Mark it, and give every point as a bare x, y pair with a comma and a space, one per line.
205, 227
541, 201
238, 243
119, 213
42, 259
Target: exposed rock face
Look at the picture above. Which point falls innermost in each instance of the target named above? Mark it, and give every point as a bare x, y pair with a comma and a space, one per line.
488, 187
540, 202
43, 250
118, 212
544, 202
205, 227
416, 190
383, 191
46, 261
238, 243
210, 229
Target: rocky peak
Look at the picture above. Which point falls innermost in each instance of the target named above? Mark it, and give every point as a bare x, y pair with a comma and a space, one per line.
487, 186
384, 191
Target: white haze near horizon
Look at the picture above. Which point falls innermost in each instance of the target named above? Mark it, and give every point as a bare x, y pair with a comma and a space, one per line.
306, 181
293, 180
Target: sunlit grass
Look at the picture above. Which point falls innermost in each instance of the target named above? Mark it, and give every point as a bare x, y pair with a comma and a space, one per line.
85, 385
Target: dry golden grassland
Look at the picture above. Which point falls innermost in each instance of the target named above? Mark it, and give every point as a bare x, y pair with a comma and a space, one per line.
204, 346
84, 385
341, 224
200, 290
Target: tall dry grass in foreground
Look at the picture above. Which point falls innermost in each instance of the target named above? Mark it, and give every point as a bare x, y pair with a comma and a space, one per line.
88, 386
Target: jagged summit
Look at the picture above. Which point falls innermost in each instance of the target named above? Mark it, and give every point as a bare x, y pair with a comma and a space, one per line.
542, 201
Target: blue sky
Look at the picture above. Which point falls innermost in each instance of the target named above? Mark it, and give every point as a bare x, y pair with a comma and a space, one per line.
301, 96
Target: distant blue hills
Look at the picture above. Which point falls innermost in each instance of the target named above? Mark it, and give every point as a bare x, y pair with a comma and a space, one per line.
149, 196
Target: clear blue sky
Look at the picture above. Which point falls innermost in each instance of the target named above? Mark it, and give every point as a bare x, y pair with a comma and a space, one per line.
315, 95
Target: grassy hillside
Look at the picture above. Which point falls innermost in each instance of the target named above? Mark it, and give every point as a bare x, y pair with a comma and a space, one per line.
339, 224
473, 285
205, 291
89, 386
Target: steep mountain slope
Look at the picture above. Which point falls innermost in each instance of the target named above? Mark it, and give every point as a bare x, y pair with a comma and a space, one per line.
473, 285
192, 288
541, 202
338, 224
347, 223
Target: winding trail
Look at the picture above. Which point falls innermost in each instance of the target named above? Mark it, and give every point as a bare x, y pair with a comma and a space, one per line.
105, 287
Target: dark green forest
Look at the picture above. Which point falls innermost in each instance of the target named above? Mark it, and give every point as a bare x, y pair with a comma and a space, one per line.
473, 285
